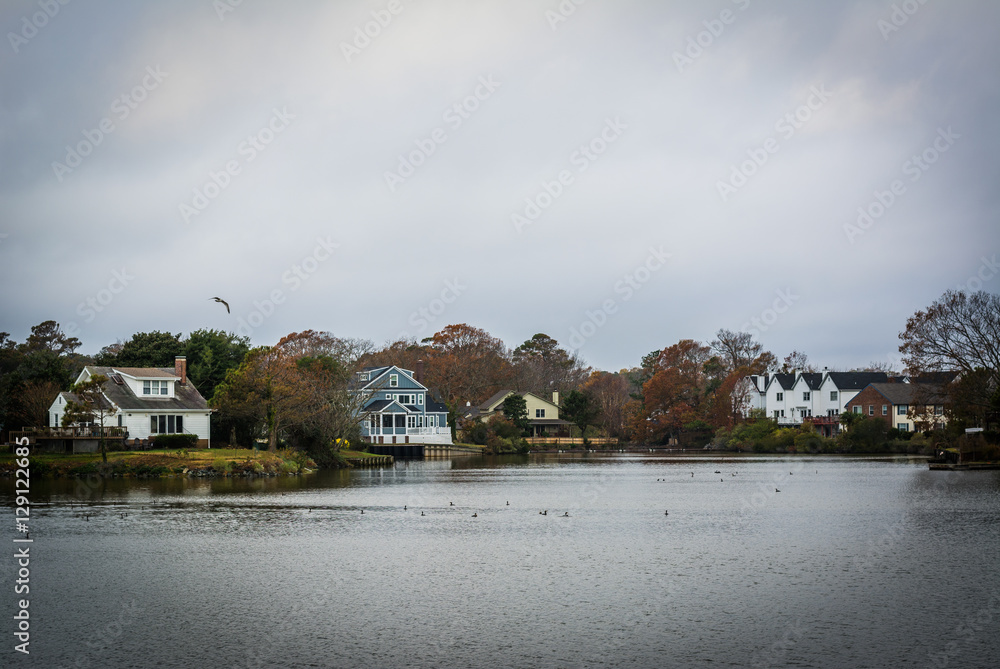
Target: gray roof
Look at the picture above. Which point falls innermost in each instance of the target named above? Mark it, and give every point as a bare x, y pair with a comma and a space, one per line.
856, 380
786, 381
436, 407
813, 379
485, 406
186, 396
908, 393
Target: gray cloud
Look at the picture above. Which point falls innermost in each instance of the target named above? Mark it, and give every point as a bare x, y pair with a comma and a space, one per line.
657, 184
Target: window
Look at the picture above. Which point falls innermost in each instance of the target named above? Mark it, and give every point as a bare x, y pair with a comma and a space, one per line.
411, 421
780, 397
833, 395
154, 387
938, 410
805, 397
119, 420
857, 408
165, 424
539, 413
904, 427
365, 376
420, 400
885, 410
871, 409
901, 410
393, 380
406, 399
775, 413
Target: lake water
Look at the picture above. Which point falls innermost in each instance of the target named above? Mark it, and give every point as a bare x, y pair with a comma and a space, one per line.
854, 563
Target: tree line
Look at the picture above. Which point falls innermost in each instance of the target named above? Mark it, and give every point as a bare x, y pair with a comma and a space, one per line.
297, 392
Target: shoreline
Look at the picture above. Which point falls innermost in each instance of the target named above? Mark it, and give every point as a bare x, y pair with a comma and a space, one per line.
200, 463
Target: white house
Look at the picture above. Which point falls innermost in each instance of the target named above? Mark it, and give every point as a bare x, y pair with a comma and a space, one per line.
147, 401
789, 398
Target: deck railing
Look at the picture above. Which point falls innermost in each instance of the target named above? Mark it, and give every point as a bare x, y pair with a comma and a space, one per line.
78, 432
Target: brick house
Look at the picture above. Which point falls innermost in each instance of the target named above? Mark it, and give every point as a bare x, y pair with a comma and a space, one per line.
906, 406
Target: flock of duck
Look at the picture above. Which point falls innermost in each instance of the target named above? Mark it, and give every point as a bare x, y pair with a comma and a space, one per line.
543, 512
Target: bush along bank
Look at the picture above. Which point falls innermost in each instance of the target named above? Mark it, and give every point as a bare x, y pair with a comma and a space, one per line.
202, 464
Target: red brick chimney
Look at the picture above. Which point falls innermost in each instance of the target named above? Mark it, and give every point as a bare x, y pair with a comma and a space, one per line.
180, 368
419, 377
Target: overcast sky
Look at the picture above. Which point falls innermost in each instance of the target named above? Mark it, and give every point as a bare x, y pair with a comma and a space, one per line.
616, 174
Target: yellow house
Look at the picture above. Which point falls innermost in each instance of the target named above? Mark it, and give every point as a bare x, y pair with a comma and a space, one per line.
542, 414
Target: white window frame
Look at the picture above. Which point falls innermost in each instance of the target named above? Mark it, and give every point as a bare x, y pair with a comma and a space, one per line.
780, 397
539, 413
805, 396
833, 395
394, 380
420, 399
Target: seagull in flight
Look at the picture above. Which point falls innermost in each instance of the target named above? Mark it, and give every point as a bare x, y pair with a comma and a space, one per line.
223, 302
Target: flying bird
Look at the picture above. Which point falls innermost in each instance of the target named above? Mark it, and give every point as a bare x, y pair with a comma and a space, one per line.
223, 302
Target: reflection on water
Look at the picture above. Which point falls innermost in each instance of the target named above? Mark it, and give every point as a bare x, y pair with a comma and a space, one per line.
855, 562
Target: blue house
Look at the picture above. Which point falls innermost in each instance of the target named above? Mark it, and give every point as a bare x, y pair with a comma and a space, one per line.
397, 408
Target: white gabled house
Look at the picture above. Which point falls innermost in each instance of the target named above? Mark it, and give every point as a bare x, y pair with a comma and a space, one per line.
789, 398
396, 408
146, 401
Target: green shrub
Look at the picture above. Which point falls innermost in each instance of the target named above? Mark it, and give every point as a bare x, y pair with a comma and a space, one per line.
168, 441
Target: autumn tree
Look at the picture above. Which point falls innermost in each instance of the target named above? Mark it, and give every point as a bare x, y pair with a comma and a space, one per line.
542, 366
674, 394
89, 405
797, 360
739, 351
959, 331
611, 395
467, 364
299, 389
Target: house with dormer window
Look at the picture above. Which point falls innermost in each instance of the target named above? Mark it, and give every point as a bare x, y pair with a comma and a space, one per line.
398, 409
146, 402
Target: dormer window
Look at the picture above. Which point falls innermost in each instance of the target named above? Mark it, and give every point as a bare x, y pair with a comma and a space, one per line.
393, 380
365, 376
154, 387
